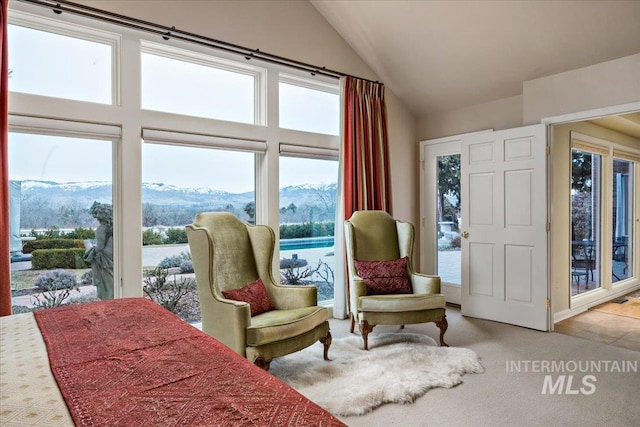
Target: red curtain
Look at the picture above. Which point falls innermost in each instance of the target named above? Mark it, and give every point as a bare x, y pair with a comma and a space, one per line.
5, 266
365, 147
364, 167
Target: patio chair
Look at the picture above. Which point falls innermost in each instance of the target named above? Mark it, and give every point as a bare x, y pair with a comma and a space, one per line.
583, 261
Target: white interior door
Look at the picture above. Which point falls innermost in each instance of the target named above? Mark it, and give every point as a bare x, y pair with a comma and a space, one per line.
504, 244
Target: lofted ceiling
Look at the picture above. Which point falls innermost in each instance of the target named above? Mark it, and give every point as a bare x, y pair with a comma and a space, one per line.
438, 56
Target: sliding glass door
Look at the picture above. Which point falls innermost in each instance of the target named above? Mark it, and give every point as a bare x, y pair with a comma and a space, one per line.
603, 203
586, 202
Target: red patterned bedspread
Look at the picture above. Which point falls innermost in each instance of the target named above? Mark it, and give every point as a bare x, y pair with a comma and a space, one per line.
129, 362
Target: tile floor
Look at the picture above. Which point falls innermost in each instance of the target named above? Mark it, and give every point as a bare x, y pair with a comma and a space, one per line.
606, 328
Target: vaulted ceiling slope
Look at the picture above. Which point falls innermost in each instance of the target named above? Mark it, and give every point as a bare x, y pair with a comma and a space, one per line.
438, 56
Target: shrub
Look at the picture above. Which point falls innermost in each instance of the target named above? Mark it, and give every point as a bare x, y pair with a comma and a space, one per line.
55, 233
56, 287
176, 235
19, 309
150, 237
58, 243
167, 294
186, 266
47, 259
174, 260
52, 233
456, 242
56, 280
292, 271
307, 229
80, 233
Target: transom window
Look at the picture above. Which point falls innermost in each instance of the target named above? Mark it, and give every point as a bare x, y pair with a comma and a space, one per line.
176, 81
51, 61
310, 107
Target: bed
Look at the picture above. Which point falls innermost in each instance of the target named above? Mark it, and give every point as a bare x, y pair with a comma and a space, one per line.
130, 362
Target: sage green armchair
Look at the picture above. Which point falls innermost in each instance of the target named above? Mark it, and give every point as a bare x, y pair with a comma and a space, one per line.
228, 254
376, 236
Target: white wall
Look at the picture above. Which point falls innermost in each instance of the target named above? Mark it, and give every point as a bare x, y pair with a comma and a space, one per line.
608, 84
501, 114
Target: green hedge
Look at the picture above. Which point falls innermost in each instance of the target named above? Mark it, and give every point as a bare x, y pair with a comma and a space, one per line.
175, 235
315, 229
51, 244
47, 259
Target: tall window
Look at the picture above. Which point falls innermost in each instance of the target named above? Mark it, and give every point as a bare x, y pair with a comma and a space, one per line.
177, 183
307, 215
202, 115
61, 219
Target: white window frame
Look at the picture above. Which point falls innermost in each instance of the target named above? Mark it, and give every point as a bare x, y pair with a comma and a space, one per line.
126, 114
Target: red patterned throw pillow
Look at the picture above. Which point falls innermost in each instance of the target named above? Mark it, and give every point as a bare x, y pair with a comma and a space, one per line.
255, 294
385, 277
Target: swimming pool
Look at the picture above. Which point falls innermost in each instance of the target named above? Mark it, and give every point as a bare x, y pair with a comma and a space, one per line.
306, 243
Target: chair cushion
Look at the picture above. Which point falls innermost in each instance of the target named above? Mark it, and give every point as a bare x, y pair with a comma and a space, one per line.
384, 277
398, 303
255, 294
279, 325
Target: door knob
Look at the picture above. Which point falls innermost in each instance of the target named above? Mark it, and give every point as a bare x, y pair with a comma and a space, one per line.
465, 234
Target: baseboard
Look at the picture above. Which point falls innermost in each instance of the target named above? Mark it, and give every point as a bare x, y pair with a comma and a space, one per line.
565, 314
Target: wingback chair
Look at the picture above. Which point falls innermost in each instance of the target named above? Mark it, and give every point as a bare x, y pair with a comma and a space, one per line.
228, 255
374, 238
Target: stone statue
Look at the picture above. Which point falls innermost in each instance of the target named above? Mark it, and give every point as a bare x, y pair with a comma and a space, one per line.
100, 255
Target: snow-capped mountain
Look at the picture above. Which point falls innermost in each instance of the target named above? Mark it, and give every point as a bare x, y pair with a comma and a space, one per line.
85, 193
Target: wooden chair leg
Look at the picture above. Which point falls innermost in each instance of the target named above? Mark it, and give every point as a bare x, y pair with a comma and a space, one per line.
326, 341
262, 364
365, 328
443, 325
353, 322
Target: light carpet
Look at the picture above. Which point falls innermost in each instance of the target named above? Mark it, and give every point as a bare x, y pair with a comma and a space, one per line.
399, 367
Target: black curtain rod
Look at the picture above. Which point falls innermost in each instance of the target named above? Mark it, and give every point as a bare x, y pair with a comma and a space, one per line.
60, 6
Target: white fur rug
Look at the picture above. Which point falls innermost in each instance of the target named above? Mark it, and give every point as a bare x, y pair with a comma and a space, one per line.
398, 368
